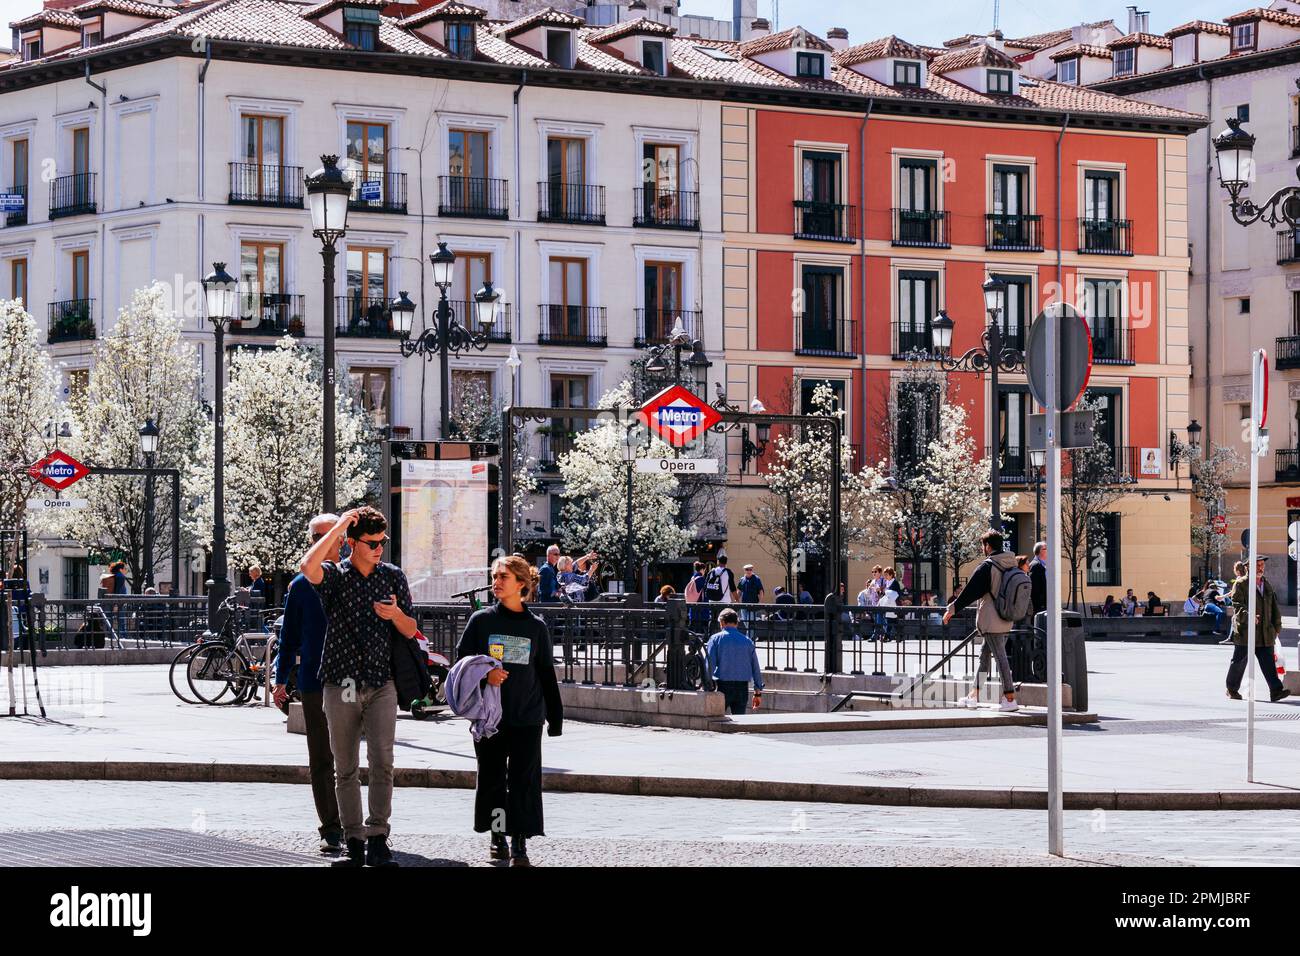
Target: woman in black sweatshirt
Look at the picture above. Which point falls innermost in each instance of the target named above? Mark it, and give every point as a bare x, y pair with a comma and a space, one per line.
508, 797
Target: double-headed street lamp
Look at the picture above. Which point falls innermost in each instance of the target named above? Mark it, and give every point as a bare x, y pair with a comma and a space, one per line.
149, 445
679, 340
992, 356
221, 293
328, 192
448, 335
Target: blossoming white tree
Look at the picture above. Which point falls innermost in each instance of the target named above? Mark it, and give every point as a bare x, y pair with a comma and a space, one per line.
143, 370
273, 469
1208, 490
594, 516
28, 403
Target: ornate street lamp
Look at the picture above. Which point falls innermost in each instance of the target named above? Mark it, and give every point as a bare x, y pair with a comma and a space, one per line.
1038, 461
678, 341
221, 297
630, 443
148, 445
1234, 150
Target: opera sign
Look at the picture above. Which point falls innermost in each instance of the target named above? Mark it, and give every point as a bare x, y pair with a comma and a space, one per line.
58, 470
678, 416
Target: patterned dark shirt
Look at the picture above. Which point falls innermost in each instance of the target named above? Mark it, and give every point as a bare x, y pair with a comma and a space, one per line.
357, 640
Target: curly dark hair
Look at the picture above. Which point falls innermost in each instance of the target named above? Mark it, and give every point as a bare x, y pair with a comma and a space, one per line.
369, 521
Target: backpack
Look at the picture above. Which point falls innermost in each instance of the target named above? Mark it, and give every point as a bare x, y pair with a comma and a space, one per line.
692, 591
1014, 595
713, 589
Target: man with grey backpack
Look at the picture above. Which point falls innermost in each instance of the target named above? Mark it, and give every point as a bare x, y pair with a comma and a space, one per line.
1004, 593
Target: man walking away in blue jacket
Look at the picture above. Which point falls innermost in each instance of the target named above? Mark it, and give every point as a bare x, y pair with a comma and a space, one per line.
733, 662
303, 637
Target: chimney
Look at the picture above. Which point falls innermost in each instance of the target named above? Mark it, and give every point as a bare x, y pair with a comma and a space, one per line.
994, 39
759, 28
1139, 20
838, 38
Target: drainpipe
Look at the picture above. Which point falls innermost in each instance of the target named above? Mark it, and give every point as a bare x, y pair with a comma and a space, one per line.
862, 241
1208, 420
203, 74
1059, 275
103, 182
518, 388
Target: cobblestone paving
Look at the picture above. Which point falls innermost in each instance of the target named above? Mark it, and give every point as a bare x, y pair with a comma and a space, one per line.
137, 848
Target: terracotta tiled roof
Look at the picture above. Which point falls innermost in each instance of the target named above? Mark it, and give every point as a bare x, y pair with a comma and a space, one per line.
393, 37
795, 36
641, 26
497, 50
979, 55
1199, 26
130, 7
964, 40
1263, 13
890, 46
589, 57
550, 17
1141, 39
445, 10
1041, 41
319, 9
49, 17
1080, 99
1082, 49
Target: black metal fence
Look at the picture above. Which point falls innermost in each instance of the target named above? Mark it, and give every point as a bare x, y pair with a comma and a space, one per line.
570, 202
927, 228
827, 221
1013, 232
259, 184
666, 208
129, 621
72, 195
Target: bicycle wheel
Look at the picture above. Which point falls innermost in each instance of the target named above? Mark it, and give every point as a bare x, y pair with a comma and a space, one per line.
177, 674
210, 672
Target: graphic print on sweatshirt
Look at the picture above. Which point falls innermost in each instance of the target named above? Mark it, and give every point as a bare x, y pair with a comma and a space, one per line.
509, 649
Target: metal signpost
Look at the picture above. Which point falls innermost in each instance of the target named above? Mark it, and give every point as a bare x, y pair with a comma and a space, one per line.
1061, 333
1258, 449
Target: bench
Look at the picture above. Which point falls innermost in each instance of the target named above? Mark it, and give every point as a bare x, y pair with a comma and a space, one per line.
1158, 629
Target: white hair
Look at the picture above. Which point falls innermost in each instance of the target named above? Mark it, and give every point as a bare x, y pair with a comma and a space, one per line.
327, 518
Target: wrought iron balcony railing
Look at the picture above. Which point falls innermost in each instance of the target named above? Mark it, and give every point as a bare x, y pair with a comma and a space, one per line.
927, 228
666, 208
832, 339
473, 197
358, 316
72, 320
571, 203
270, 313
387, 192
654, 325
572, 325
254, 184
1106, 237
825, 221
72, 195
1015, 233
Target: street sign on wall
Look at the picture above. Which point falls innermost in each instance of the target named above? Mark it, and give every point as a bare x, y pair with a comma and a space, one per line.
677, 466
57, 504
1076, 431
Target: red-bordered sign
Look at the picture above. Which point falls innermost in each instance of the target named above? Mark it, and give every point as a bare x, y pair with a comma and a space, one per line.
1220, 524
678, 416
58, 470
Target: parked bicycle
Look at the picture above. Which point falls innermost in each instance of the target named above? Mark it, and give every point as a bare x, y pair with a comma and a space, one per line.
226, 667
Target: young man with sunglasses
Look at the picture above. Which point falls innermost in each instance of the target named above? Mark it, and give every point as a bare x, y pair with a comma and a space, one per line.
364, 600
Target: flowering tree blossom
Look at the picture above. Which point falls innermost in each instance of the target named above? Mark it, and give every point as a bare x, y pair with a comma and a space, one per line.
273, 469
1212, 476
1092, 486
144, 370
28, 404
594, 515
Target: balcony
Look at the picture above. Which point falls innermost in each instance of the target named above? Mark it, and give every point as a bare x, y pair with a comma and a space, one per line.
473, 197
72, 321
911, 339
1286, 464
1010, 233
269, 313
387, 192
363, 317
17, 218
1112, 346
571, 325
72, 195
1286, 353
252, 184
1295, 141
571, 202
834, 339
1014, 467
1288, 247
552, 444
1106, 237
925, 228
465, 313
825, 221
653, 325
657, 208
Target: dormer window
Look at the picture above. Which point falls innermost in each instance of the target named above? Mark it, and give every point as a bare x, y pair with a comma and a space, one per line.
999, 81
652, 57
361, 27
559, 48
907, 73
810, 65
1243, 36
1067, 71
92, 34
31, 50
460, 39
1123, 61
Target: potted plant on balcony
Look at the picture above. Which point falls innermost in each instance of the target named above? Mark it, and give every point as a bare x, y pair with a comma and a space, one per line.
296, 326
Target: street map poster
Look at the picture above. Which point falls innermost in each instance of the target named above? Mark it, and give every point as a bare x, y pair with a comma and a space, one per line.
444, 527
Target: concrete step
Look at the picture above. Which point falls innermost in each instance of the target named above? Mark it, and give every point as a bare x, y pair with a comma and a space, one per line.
987, 716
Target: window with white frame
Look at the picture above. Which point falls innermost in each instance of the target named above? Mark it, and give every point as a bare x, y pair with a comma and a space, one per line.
1243, 36
1067, 71
1123, 61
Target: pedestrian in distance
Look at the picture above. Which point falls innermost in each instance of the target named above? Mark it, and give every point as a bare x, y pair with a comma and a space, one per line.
733, 663
302, 641
1038, 578
1268, 625
697, 616
720, 583
548, 576
1130, 604
1213, 607
1194, 603
1112, 608
258, 585
1002, 591
666, 593
508, 792
365, 602
751, 591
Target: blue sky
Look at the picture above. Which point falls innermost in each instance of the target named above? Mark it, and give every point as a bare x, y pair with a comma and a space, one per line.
932, 21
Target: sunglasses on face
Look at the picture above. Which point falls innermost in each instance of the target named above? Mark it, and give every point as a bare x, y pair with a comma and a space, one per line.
373, 545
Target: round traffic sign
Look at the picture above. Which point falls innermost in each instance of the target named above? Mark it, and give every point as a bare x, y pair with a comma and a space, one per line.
1245, 540
1293, 529
1074, 354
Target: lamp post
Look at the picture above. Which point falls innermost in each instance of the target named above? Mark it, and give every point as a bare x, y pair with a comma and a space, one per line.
448, 335
992, 356
149, 445
1037, 461
678, 341
220, 290
629, 458
513, 363
328, 191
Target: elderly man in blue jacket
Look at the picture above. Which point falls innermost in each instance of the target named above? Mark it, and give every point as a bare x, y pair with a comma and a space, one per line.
733, 662
303, 636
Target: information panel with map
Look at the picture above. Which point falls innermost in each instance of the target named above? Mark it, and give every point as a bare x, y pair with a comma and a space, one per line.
444, 527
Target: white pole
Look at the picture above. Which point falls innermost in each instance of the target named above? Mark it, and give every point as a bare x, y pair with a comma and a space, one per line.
1055, 797
1256, 399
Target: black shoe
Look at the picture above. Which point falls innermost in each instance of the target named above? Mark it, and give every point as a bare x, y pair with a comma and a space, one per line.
377, 852
355, 855
331, 843
1279, 695
518, 852
499, 850
1234, 695
1226, 640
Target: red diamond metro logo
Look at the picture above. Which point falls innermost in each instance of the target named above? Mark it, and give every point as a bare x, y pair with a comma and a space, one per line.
678, 416
58, 470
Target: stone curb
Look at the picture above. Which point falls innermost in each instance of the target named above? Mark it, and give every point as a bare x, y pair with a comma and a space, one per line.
998, 798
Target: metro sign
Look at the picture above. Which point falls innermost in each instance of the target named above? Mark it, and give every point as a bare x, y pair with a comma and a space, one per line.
58, 470
678, 416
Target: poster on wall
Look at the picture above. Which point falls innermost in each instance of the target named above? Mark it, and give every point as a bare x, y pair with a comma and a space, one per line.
1152, 462
444, 527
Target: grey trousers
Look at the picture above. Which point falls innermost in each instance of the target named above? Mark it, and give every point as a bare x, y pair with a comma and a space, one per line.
374, 709
996, 646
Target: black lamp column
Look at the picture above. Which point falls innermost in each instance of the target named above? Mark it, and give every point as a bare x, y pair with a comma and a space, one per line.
328, 192
220, 292
629, 458
149, 445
